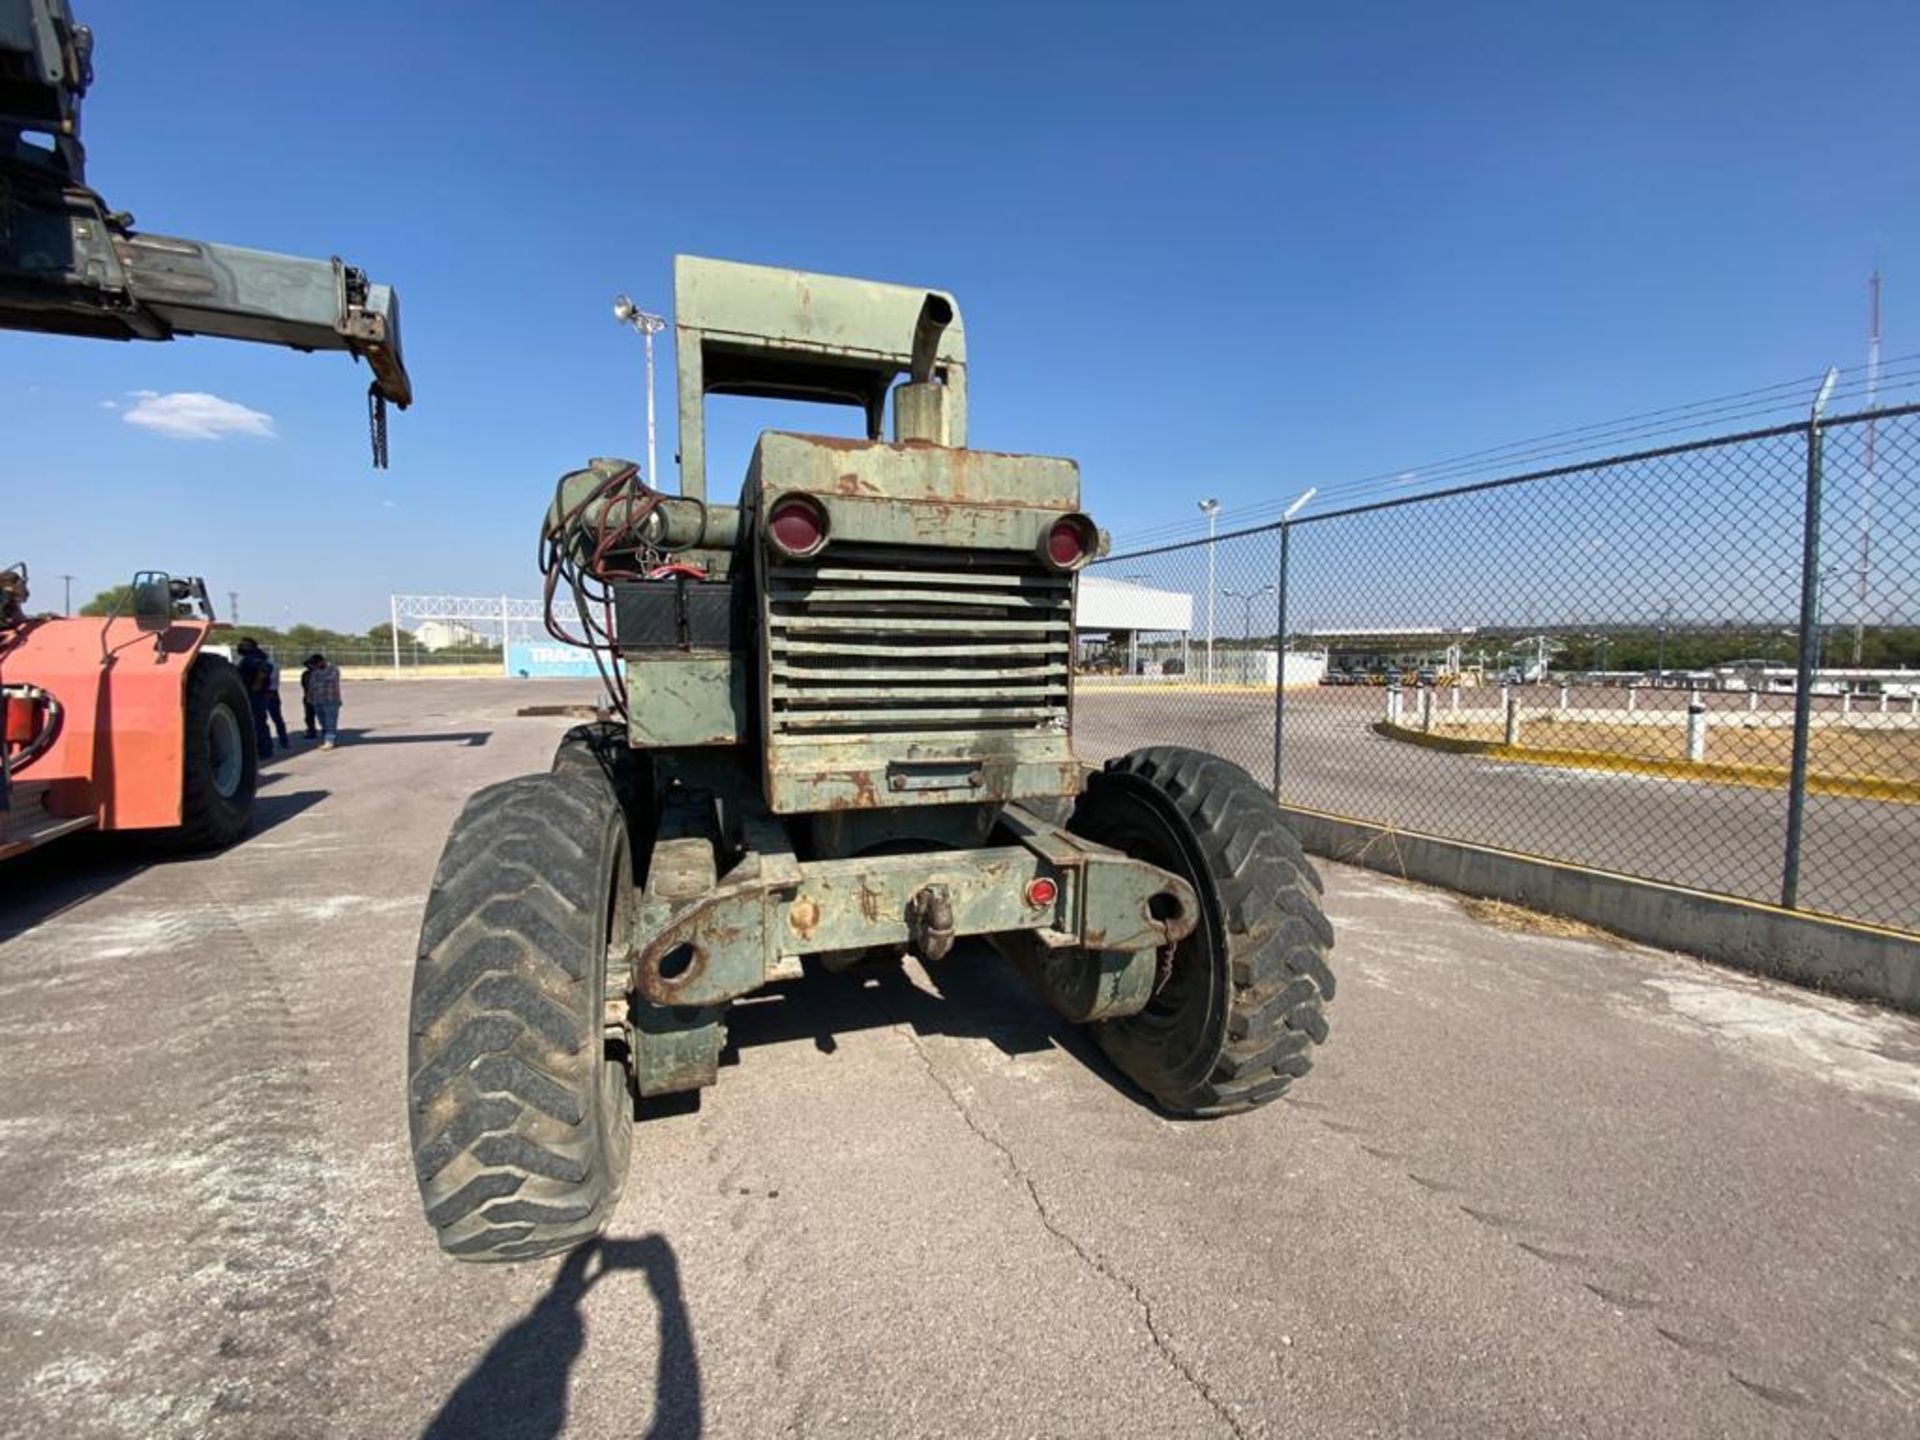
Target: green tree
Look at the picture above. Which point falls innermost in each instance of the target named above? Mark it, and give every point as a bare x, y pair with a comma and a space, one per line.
117, 601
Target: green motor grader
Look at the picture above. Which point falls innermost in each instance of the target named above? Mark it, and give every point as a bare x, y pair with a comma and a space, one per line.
844, 732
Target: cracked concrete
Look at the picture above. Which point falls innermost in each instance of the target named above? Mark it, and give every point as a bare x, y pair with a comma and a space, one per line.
1088, 1256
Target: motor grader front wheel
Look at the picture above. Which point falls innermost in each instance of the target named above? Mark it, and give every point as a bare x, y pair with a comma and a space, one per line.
1239, 1006
518, 1096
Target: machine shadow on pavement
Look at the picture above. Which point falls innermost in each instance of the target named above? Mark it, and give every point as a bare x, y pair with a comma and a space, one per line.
36, 887
518, 1390
979, 997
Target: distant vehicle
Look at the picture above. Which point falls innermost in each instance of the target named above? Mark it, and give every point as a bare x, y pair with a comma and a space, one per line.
1427, 677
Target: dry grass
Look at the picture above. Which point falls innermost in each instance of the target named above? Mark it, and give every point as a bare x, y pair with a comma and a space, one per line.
1832, 750
1503, 915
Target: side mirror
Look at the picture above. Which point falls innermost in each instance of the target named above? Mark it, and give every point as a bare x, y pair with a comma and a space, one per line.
153, 601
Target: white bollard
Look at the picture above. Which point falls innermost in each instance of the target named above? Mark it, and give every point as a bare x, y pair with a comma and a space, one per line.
1513, 715
1696, 729
1563, 699
1846, 702
1883, 702
1393, 704
1753, 701
1633, 698
1453, 699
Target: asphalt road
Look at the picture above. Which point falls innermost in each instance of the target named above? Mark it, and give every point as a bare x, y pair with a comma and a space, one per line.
1536, 1186
1859, 857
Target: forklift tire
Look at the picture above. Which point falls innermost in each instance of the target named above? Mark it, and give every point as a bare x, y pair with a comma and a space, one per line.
1241, 1007
519, 1097
220, 766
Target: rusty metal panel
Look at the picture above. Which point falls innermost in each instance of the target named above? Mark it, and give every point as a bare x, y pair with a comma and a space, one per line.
830, 466
837, 313
687, 699
731, 938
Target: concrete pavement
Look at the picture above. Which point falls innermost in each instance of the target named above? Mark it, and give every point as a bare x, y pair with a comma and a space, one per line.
1534, 1186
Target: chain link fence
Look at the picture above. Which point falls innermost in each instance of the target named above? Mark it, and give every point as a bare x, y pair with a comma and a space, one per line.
1698, 665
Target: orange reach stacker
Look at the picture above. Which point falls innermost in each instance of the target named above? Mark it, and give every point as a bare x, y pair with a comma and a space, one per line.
124, 722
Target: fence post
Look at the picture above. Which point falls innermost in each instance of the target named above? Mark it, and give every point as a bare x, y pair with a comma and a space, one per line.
1453, 697
393, 610
1511, 700
1633, 698
1426, 709
1696, 728
1280, 659
506, 625
1563, 699
1803, 671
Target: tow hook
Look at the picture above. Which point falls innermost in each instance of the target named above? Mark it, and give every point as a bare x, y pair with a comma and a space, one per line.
930, 923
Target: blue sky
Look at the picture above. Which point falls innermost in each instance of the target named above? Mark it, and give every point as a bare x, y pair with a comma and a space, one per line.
1203, 249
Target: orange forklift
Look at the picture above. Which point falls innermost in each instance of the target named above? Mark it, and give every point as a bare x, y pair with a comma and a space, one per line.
121, 723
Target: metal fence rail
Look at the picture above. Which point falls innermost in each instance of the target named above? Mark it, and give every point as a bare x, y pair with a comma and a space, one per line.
1698, 664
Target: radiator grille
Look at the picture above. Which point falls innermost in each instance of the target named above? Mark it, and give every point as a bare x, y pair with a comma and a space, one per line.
917, 640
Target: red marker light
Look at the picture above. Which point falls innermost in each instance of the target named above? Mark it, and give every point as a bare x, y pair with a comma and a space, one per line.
1069, 542
797, 525
1042, 892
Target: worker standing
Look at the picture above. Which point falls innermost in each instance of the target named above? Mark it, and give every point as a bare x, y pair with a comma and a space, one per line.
274, 715
306, 693
323, 690
254, 671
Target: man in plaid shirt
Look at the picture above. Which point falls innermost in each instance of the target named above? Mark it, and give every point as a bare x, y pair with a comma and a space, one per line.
322, 685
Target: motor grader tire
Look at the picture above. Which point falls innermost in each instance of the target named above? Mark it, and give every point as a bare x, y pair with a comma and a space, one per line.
519, 1098
1240, 1005
220, 766
598, 748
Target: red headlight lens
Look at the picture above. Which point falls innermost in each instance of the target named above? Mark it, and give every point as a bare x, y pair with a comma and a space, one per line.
1069, 543
1041, 892
797, 525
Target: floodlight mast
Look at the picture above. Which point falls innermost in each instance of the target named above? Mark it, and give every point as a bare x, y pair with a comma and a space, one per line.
1210, 507
628, 313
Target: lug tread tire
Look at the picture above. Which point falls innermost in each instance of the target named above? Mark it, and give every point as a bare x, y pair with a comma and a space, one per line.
519, 1149
1268, 938
209, 820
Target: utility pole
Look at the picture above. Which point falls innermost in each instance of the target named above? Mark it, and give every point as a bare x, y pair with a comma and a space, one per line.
67, 608
1866, 484
627, 313
1211, 509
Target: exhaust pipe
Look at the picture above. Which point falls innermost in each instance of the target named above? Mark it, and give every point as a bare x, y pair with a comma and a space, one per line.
936, 313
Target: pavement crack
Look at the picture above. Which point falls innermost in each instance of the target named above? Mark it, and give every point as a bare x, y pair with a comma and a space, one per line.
1087, 1256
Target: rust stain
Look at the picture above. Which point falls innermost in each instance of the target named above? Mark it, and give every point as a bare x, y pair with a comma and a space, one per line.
853, 483
803, 916
869, 901
844, 442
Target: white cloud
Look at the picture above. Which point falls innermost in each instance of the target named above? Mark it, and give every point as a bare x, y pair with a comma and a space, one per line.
195, 415
109, 404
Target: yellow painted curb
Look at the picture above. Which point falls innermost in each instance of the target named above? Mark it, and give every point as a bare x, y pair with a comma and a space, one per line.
1755, 777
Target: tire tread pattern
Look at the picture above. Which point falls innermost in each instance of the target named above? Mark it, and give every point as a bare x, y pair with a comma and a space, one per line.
1277, 937
506, 1052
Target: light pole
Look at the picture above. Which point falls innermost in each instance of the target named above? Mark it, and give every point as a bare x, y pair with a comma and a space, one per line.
67, 609
1211, 509
1246, 599
1820, 613
627, 313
